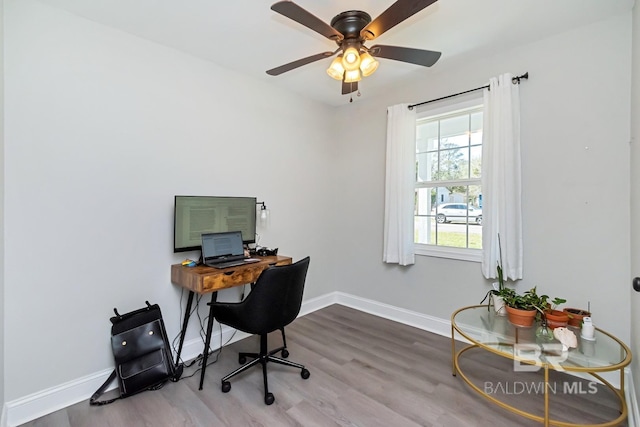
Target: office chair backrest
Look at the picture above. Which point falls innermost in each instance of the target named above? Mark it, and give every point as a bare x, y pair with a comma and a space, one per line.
276, 297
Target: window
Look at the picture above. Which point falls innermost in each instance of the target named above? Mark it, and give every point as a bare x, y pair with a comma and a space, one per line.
448, 193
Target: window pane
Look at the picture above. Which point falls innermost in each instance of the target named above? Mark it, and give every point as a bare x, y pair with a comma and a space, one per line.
476, 162
476, 122
476, 138
427, 136
454, 131
458, 220
452, 164
475, 197
424, 218
476, 129
427, 165
425, 200
449, 216
449, 148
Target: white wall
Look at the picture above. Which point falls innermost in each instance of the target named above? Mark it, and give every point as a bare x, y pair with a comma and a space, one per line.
575, 151
635, 196
2, 323
102, 130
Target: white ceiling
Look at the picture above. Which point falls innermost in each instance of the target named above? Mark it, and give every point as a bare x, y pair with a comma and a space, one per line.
248, 37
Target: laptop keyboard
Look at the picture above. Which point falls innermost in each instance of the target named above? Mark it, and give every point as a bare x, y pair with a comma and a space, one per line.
232, 263
226, 264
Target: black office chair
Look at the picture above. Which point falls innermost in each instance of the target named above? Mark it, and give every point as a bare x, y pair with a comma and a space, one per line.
273, 303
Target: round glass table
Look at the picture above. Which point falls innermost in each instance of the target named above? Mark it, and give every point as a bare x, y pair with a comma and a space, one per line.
534, 348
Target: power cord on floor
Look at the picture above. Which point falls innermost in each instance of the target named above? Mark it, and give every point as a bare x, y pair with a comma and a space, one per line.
217, 354
198, 360
177, 337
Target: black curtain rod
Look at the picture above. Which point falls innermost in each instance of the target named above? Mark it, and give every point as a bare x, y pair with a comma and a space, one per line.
514, 80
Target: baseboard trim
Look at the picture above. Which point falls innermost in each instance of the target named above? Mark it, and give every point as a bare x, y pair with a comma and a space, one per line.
30, 407
44, 402
401, 315
632, 400
3, 417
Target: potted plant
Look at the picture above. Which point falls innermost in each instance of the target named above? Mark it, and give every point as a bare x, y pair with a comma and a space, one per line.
522, 309
576, 315
556, 318
496, 295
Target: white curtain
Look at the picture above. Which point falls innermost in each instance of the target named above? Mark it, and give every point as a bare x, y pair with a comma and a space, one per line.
399, 185
501, 179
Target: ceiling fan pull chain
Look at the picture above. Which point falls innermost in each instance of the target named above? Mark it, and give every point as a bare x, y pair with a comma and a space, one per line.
351, 96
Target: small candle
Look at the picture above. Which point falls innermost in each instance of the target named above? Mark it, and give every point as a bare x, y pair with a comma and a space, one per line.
588, 330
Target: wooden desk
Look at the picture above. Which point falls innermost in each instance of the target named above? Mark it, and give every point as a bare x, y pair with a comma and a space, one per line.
202, 280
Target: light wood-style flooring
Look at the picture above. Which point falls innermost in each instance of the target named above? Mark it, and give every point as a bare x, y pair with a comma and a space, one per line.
365, 371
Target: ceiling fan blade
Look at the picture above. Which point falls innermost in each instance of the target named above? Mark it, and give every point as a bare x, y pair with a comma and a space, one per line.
395, 14
426, 58
299, 63
301, 16
347, 88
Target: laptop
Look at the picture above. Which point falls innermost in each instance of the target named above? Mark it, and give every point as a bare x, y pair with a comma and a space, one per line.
222, 250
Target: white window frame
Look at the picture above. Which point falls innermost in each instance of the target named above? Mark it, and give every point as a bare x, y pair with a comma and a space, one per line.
463, 254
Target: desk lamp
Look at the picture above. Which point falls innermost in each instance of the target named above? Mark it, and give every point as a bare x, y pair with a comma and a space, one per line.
264, 214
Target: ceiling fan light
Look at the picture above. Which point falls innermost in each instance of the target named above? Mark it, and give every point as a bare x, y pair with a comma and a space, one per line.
336, 70
352, 76
368, 64
351, 59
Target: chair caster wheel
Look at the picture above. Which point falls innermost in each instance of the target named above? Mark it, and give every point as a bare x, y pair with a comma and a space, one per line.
269, 399
284, 353
242, 360
226, 386
305, 373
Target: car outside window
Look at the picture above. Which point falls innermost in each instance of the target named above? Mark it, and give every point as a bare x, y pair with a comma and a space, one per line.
448, 194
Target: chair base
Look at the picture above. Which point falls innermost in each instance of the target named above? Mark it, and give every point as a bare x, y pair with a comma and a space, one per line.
262, 358
285, 352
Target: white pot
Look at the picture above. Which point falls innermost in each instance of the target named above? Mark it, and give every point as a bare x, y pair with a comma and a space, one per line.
498, 305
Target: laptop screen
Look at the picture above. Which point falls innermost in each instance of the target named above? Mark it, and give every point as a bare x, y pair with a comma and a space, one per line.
222, 246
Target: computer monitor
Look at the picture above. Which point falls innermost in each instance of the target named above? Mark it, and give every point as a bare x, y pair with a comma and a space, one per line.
194, 215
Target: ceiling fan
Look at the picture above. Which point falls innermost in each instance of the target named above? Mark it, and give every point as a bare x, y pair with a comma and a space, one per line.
351, 30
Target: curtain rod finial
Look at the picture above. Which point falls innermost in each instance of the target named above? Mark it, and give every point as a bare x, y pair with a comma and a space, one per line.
516, 80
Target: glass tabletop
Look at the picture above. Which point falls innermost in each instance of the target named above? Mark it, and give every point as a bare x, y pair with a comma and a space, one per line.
484, 327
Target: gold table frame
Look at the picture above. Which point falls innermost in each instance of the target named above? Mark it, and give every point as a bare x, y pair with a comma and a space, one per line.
591, 370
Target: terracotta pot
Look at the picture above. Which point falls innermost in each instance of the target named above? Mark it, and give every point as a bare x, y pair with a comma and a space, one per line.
521, 317
576, 315
556, 318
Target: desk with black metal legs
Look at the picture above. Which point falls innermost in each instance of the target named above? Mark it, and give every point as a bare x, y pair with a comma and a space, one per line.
203, 280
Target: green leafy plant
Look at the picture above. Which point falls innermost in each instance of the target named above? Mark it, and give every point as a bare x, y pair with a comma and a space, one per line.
502, 290
500, 277
556, 302
529, 300
501, 281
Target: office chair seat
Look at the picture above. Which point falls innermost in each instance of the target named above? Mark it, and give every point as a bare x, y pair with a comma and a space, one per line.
273, 303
